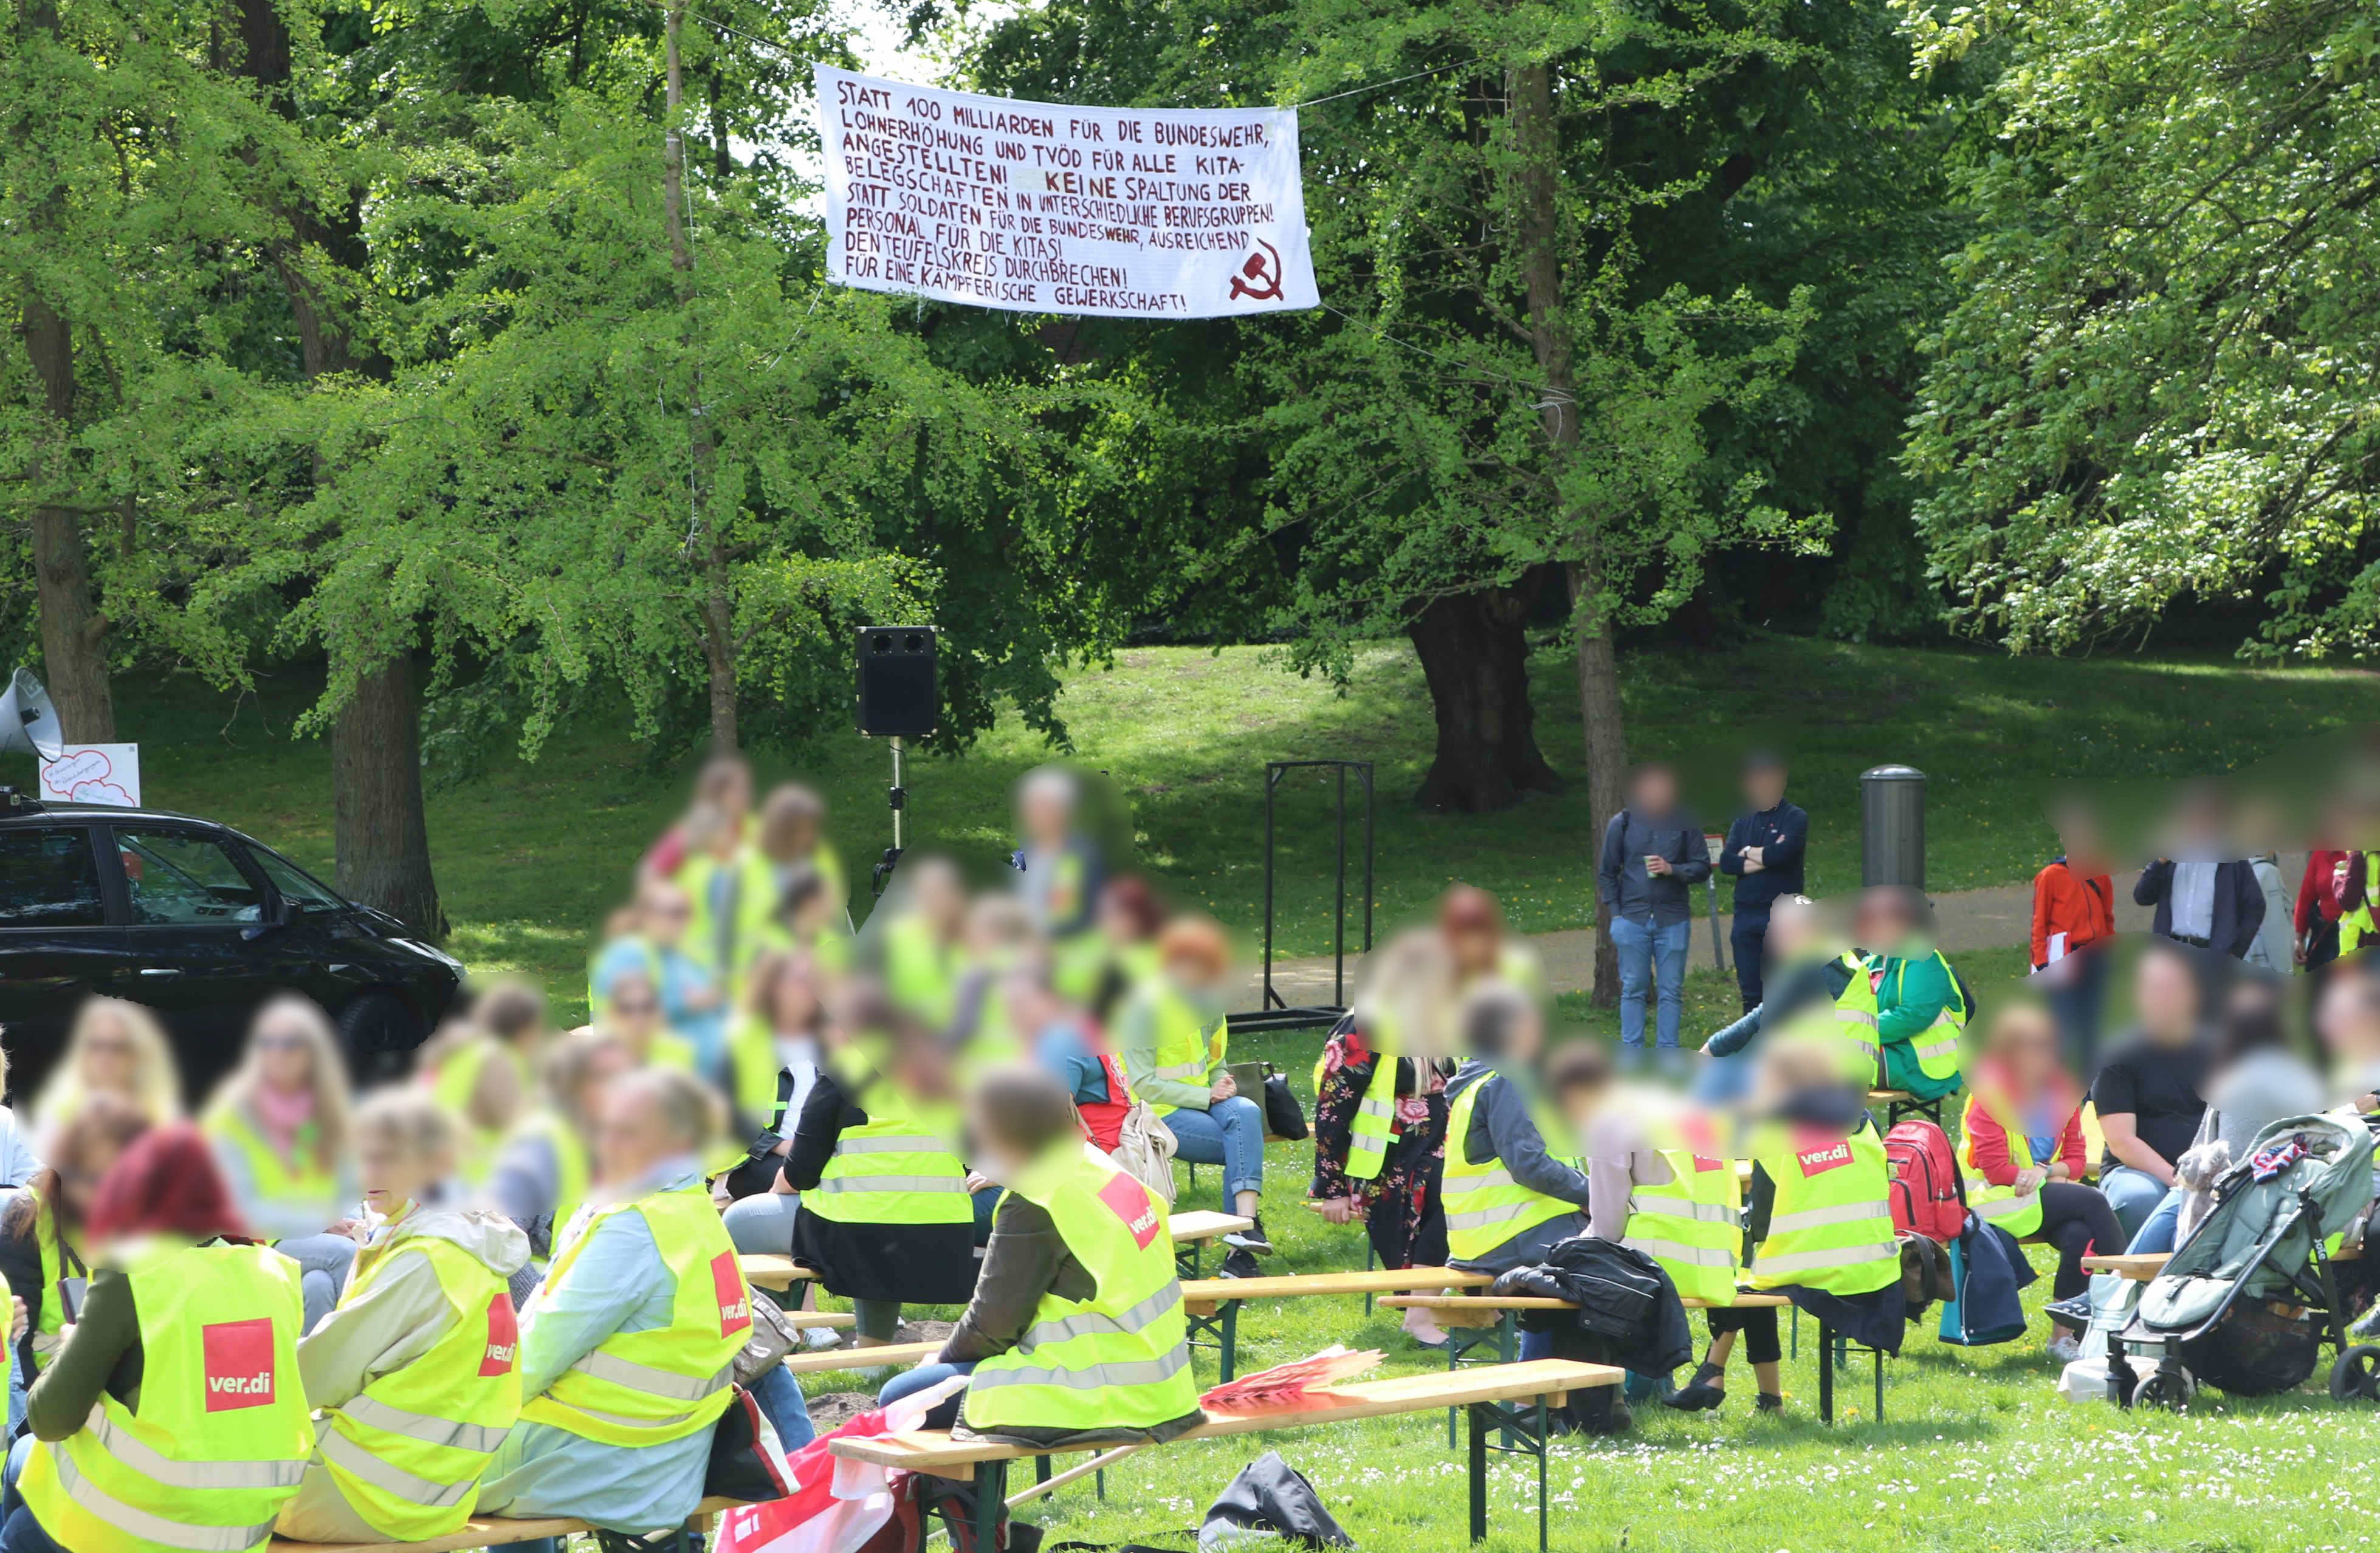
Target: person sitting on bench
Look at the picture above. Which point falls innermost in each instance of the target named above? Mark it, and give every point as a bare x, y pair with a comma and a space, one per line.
1076, 1333
1921, 1004
1813, 984
1512, 1186
414, 1371
625, 1349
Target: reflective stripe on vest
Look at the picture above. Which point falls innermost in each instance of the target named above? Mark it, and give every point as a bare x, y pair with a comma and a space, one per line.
220, 1439
1671, 1251
1485, 1207
1690, 1224
1119, 1359
2018, 1214
897, 1167
1182, 1052
1375, 1122
407, 1451
1830, 1221
636, 1387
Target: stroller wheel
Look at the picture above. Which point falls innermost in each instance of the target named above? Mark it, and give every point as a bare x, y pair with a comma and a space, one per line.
2356, 1377
2168, 1385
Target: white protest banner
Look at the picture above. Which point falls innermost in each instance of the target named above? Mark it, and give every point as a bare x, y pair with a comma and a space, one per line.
1045, 208
94, 773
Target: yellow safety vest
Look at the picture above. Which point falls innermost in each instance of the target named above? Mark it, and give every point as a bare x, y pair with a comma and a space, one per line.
900, 1167
1831, 1222
456, 1080
1692, 1225
755, 897
2020, 1216
1185, 1052
1120, 1359
2356, 925
752, 1055
59, 1264
220, 1439
920, 971
1851, 1023
1936, 1047
1485, 1207
408, 1451
652, 1387
300, 1179
1374, 1127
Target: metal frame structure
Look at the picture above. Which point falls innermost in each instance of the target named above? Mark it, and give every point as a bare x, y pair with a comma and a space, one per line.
1275, 1011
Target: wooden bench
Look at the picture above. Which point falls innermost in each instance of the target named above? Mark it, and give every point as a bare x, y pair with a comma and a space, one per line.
1898, 1103
780, 1273
1497, 1397
1495, 1317
2139, 1269
493, 1532
822, 1361
1192, 1232
1213, 1305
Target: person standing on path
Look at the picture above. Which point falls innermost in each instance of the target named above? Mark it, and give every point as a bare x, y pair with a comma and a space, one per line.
1653, 856
1764, 852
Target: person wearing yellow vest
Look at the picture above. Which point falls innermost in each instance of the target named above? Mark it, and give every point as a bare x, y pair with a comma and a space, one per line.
1513, 1185
173, 1417
545, 1169
114, 1047
414, 1377
2022, 1158
628, 1349
2355, 885
1075, 1333
1171, 1036
694, 997
479, 1070
1921, 1004
916, 948
1471, 920
634, 1018
884, 1215
808, 922
1812, 986
1380, 1111
1060, 877
792, 838
278, 1124
42, 1238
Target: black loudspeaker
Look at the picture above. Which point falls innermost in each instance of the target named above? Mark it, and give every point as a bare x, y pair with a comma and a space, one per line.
897, 694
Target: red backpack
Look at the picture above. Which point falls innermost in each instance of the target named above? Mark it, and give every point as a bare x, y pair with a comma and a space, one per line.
1925, 1196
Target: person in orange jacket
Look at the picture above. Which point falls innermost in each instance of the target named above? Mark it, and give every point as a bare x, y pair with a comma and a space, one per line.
2073, 920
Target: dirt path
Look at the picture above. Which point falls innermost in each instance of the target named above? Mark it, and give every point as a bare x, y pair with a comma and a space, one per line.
1997, 917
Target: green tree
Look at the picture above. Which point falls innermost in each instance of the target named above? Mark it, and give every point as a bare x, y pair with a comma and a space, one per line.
2159, 383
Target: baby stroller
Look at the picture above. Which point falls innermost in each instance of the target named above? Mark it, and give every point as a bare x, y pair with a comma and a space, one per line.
2248, 1300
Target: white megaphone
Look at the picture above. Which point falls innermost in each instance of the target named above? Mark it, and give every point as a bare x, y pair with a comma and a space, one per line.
29, 724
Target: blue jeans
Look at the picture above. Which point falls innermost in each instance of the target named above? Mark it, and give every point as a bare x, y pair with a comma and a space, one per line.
1657, 955
2157, 1231
2134, 1195
910, 1382
24, 1534
1229, 1133
780, 1396
325, 1259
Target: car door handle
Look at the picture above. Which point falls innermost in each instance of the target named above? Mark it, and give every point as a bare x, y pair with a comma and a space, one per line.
161, 972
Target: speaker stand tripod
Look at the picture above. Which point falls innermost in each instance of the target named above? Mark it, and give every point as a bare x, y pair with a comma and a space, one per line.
897, 798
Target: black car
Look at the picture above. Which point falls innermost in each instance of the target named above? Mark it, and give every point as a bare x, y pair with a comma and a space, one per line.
200, 923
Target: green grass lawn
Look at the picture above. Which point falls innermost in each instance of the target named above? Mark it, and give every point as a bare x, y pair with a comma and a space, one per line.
529, 855
1975, 1451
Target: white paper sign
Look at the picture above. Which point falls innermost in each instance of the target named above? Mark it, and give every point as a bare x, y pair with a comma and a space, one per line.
94, 773
1046, 208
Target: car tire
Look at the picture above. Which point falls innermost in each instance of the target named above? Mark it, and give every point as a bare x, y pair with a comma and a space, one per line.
378, 1032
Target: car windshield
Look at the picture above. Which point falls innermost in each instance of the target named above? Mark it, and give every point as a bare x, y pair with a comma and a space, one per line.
181, 877
297, 887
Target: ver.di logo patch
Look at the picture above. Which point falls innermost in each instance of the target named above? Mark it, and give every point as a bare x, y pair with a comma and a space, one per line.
503, 1336
238, 1359
1131, 1202
735, 1300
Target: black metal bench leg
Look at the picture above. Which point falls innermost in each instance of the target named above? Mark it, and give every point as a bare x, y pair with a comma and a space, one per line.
1878, 1354
1042, 1469
1229, 1315
1825, 1373
990, 1503
1545, 1440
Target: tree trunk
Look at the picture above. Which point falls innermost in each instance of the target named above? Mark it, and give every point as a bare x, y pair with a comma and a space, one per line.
1538, 172
718, 579
380, 836
1475, 653
74, 631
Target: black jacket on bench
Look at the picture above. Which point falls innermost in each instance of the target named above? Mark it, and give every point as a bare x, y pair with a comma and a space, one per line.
1629, 1312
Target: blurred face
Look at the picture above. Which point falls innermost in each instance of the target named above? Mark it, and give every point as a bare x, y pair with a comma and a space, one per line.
110, 1061
2350, 1022
1528, 1038
1044, 815
636, 1008
2026, 1048
735, 794
1764, 786
394, 1175
666, 913
995, 1159
78, 1184
2077, 833
284, 1055
792, 1005
607, 1065
1880, 923
632, 1135
1118, 922
2164, 996
1792, 933
1654, 791
1192, 973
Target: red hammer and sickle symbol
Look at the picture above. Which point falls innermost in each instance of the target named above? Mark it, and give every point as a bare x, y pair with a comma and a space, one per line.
1262, 281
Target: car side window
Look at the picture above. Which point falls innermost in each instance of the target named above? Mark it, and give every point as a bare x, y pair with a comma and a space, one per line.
180, 876
49, 878
297, 887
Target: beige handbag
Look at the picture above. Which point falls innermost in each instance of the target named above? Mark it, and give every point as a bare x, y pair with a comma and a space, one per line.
1145, 1148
